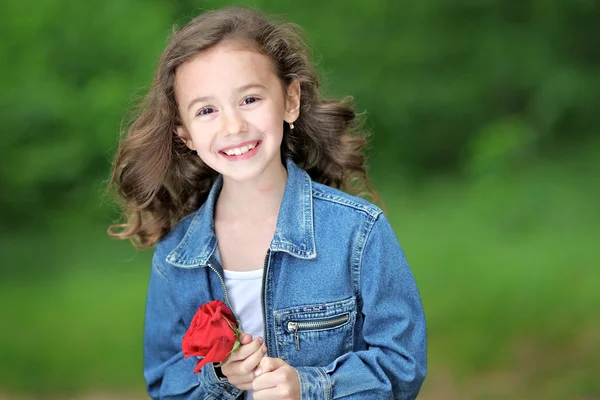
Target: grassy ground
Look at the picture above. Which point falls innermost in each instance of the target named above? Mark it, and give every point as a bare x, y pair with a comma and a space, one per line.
507, 269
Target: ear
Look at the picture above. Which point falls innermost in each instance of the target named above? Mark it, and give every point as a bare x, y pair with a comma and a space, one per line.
292, 101
185, 136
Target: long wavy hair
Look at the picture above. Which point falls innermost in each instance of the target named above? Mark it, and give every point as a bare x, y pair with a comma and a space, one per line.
161, 181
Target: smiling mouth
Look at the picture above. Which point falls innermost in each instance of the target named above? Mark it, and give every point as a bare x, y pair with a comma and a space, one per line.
240, 150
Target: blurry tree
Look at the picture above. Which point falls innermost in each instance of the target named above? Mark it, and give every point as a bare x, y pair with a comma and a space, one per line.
447, 86
68, 70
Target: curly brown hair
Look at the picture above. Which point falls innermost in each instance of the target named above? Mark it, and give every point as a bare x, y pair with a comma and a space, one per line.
161, 180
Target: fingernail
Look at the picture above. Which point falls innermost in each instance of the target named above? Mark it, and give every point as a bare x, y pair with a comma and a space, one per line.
260, 340
264, 348
257, 372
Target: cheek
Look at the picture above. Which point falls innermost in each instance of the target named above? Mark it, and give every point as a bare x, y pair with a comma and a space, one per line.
201, 138
270, 122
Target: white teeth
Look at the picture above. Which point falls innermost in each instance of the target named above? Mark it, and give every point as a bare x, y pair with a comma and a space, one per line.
240, 150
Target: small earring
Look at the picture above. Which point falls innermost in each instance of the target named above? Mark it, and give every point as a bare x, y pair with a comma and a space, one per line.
291, 125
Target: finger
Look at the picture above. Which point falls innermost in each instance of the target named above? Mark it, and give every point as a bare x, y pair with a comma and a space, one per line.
283, 383
245, 338
247, 366
236, 365
246, 349
253, 360
266, 380
244, 386
243, 382
276, 393
268, 364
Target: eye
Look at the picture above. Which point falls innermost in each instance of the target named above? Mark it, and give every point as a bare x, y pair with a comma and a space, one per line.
205, 111
250, 100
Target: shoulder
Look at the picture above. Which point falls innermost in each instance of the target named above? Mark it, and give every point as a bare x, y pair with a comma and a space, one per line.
329, 197
351, 214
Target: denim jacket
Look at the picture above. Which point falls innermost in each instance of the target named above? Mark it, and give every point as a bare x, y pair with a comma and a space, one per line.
339, 300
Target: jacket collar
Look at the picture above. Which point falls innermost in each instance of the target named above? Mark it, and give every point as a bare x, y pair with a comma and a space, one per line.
294, 233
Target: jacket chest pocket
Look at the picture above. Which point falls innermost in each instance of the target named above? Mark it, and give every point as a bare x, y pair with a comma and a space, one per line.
315, 334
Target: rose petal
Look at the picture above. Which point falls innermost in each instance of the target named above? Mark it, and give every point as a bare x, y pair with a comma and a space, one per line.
206, 360
217, 315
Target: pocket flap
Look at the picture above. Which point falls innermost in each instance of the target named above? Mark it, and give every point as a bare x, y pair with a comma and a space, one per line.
320, 312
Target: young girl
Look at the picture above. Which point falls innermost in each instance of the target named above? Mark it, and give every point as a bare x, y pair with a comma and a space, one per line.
231, 169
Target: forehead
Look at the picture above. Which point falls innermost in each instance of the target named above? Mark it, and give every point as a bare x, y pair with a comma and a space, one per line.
222, 68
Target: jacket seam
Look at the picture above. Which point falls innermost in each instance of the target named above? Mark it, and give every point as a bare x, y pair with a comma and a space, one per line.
369, 229
156, 265
171, 258
371, 210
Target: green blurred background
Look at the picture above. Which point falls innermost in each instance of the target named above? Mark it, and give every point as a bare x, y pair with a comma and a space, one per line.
486, 152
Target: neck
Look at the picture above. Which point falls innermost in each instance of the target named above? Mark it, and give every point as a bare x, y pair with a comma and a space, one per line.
258, 199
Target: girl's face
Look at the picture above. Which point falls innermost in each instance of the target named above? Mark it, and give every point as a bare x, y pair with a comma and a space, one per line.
233, 107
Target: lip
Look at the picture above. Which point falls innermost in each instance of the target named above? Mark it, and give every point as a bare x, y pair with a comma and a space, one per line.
244, 156
234, 146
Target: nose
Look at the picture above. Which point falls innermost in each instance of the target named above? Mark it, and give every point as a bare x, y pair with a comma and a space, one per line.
233, 122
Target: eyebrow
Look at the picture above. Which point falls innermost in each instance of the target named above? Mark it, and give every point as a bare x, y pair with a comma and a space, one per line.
238, 90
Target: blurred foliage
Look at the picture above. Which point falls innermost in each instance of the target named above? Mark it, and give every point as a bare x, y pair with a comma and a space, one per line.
447, 87
507, 271
485, 149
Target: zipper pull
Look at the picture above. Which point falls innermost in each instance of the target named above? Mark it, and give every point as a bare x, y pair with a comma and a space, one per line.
293, 327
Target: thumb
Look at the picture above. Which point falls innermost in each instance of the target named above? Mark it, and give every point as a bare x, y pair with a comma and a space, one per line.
245, 338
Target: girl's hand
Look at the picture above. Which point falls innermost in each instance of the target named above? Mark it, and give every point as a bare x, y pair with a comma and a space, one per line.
239, 368
275, 379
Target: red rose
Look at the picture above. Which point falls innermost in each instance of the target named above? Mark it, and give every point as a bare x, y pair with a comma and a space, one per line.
213, 334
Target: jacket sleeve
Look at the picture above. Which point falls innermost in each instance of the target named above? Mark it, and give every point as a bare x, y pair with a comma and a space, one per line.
395, 362
168, 375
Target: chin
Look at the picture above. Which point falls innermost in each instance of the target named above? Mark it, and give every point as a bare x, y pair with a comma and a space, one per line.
235, 174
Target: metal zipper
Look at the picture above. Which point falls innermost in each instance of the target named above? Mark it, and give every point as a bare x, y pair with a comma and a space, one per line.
262, 299
296, 326
225, 292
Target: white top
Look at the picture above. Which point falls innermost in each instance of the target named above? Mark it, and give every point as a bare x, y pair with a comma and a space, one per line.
244, 289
